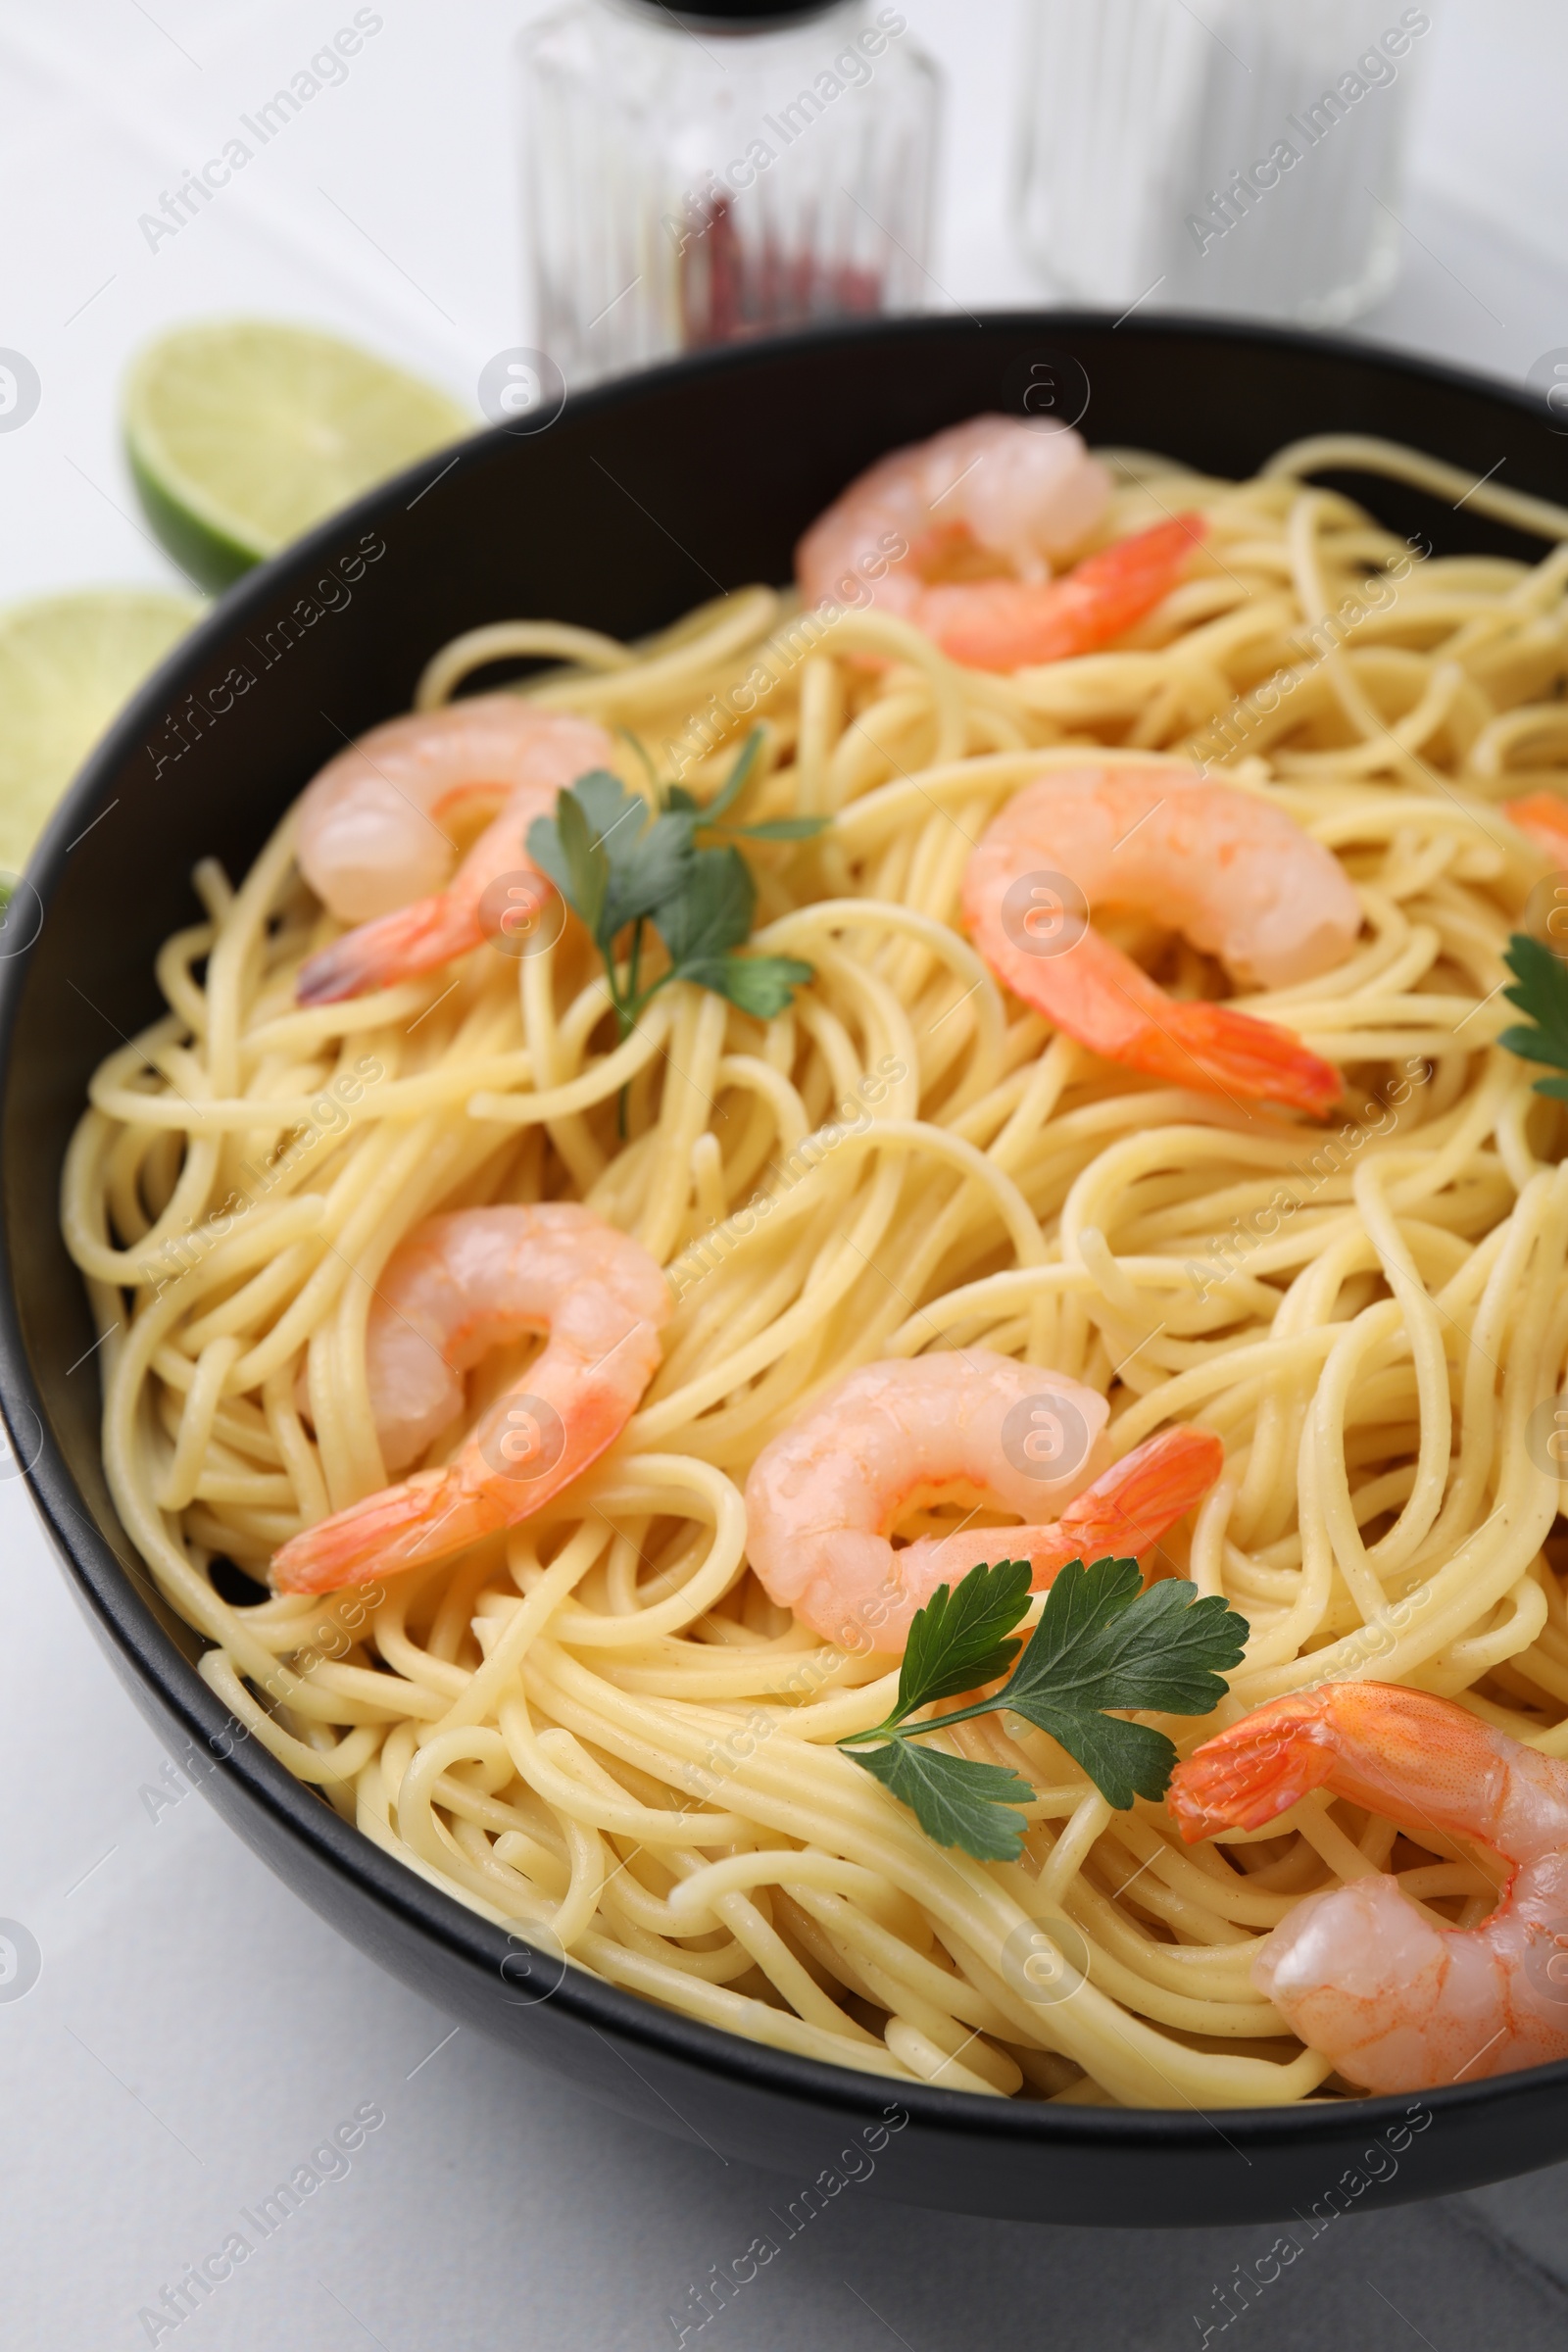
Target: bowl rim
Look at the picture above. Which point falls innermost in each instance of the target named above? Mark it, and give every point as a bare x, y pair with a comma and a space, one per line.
120, 1599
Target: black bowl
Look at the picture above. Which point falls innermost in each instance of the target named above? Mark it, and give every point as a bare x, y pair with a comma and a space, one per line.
645, 498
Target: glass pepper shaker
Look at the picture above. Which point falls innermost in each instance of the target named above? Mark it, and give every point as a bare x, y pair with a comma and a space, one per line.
696, 175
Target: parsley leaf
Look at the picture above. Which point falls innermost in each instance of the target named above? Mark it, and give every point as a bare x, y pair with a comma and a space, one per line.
636, 865
1104, 1646
956, 1801
760, 985
955, 1642
735, 783
1542, 992
574, 859
1124, 1760
1104, 1640
712, 914
621, 863
652, 880
615, 815
708, 919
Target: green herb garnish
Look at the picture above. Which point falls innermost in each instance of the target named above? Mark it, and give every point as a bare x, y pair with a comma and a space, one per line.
1541, 993
1102, 1643
621, 864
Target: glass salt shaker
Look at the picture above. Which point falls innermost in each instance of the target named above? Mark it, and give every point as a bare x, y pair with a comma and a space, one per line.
1244, 158
697, 174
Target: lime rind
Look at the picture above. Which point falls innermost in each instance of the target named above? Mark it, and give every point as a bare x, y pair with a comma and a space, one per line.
205, 550
241, 434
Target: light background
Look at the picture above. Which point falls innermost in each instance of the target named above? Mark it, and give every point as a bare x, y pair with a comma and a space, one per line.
195, 2031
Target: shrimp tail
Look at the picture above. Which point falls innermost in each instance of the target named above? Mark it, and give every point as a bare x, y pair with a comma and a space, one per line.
1248, 1774
1376, 1742
1012, 624
423, 1518
1110, 592
395, 947
1099, 995
1122, 1515
1212, 1045
1130, 1506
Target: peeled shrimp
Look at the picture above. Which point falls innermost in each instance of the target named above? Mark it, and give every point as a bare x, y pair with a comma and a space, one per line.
1396, 2001
821, 1497
1026, 494
372, 839
461, 1285
1233, 872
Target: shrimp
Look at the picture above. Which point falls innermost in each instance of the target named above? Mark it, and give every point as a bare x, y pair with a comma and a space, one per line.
821, 1497
1024, 494
1229, 869
373, 843
1363, 1975
460, 1285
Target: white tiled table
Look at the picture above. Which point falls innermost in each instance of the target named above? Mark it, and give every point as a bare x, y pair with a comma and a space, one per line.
195, 2032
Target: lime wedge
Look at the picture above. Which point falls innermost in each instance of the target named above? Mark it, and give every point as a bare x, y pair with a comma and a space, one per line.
241, 434
68, 663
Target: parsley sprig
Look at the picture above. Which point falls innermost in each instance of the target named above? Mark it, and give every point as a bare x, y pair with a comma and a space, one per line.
1102, 1643
621, 864
1542, 992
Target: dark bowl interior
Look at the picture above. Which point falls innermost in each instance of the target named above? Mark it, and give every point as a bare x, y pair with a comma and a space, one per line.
645, 498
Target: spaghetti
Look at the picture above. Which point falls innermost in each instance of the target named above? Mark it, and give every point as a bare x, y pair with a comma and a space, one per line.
596, 1729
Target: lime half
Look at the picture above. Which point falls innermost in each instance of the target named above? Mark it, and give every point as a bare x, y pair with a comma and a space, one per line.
68, 665
241, 434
